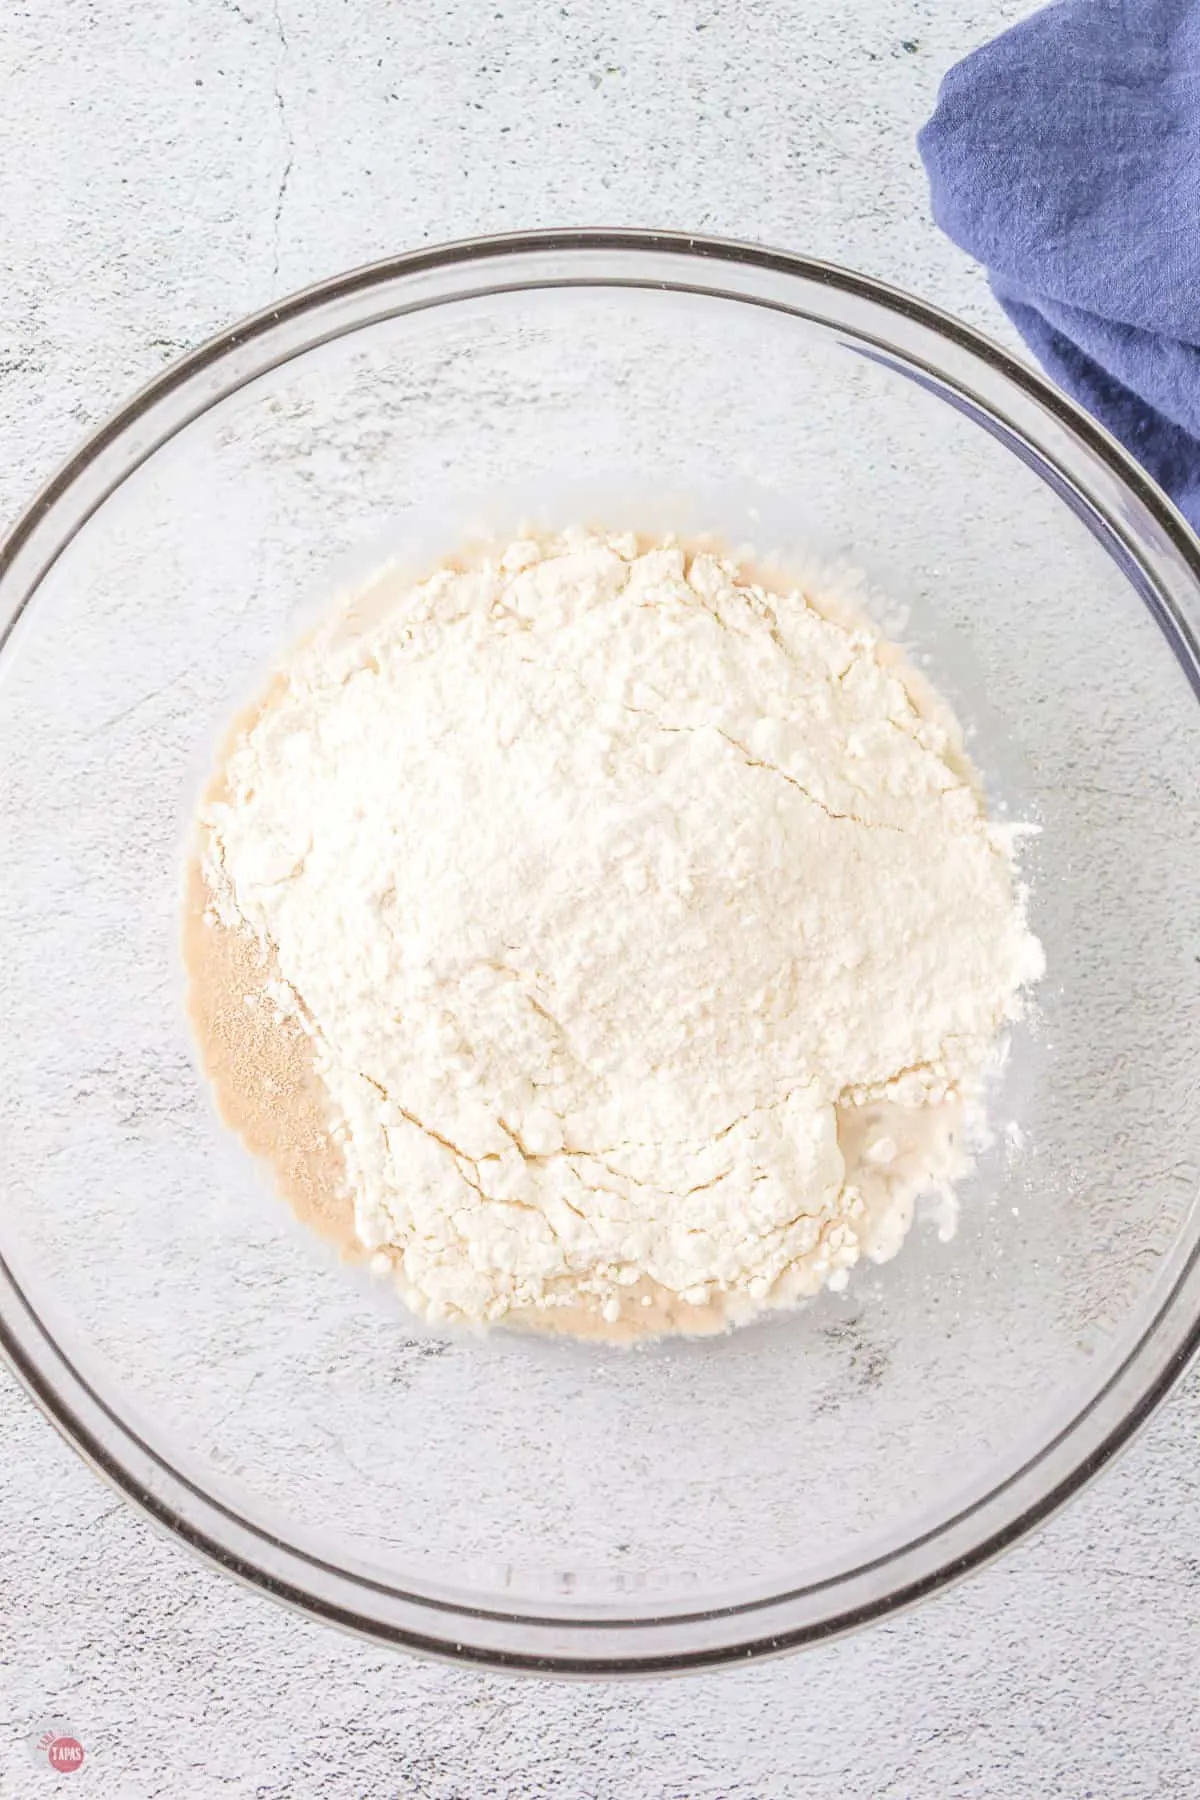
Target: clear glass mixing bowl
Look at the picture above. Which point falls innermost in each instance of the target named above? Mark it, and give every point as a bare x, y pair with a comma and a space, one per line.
541, 1503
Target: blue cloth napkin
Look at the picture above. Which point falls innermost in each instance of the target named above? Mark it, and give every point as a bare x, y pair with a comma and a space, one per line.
1065, 157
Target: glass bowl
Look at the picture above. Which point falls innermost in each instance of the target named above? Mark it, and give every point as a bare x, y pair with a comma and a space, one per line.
540, 1503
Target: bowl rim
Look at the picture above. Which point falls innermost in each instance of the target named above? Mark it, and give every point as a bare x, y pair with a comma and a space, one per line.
63, 1394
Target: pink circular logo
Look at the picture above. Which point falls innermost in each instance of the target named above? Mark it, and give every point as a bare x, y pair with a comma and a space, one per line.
65, 1753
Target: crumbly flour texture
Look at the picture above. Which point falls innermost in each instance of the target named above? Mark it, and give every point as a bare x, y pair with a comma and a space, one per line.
644, 924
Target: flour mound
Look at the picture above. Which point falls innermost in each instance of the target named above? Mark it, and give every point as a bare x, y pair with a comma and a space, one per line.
609, 886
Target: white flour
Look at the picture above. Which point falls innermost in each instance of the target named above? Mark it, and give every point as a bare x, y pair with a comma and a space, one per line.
608, 886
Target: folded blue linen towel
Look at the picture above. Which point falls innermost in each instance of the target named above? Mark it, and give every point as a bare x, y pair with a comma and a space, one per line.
1065, 157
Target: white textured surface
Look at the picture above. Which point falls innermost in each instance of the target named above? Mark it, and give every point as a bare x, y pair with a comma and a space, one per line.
699, 705
163, 170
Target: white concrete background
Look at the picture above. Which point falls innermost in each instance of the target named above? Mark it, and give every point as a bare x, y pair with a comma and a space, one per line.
164, 169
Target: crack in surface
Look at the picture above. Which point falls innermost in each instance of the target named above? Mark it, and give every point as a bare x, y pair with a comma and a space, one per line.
231, 6
464, 1162
758, 762
636, 1181
289, 142
515, 1139
277, 29
743, 750
411, 1117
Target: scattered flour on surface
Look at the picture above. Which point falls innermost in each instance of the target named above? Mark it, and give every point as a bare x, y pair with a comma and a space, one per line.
646, 923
